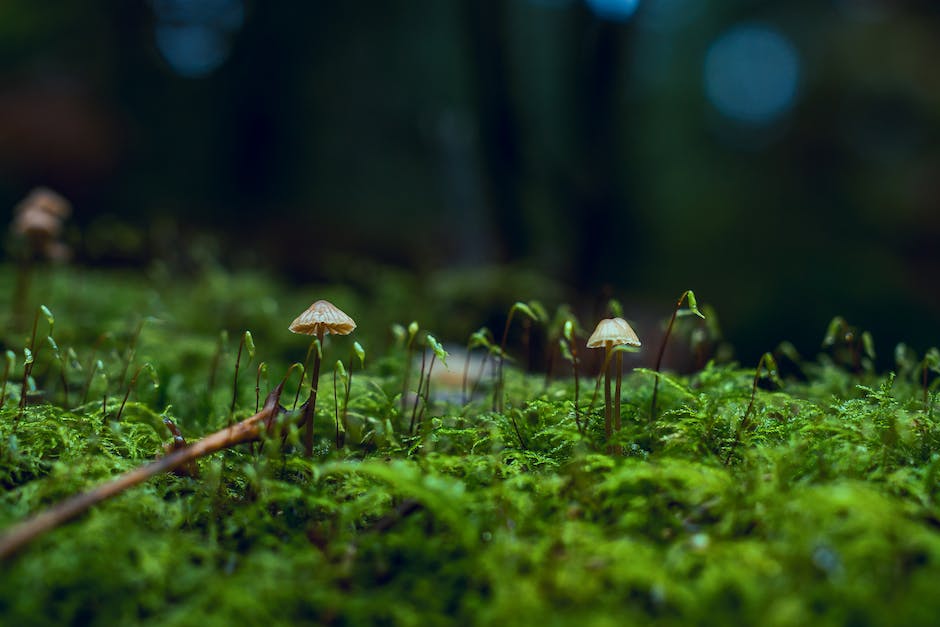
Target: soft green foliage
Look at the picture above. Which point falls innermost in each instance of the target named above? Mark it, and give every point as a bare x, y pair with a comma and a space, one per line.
823, 510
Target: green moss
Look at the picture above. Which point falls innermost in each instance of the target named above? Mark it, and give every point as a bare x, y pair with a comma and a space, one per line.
824, 510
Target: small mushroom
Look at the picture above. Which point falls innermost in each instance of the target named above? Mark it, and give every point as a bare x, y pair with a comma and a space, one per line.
319, 319
44, 199
38, 218
612, 332
37, 225
323, 317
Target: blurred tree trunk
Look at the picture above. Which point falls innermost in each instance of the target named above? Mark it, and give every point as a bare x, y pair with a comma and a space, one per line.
487, 40
596, 193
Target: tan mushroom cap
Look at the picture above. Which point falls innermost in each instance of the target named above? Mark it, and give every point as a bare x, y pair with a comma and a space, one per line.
37, 224
46, 200
323, 317
613, 331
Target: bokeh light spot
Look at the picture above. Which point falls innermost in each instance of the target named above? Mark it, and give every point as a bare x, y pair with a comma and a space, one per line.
192, 51
614, 10
751, 74
193, 35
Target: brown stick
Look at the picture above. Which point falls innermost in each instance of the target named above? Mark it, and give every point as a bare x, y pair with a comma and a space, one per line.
248, 430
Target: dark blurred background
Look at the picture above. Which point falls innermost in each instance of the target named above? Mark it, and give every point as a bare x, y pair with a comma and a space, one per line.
781, 158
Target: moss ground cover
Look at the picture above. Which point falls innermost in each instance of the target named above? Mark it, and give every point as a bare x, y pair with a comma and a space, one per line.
820, 508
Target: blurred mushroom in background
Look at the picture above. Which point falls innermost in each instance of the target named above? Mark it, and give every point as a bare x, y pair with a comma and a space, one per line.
38, 220
37, 226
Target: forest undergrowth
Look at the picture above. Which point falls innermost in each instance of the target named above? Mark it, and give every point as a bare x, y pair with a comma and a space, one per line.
789, 492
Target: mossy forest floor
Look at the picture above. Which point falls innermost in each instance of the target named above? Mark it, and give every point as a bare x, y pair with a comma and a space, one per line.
824, 511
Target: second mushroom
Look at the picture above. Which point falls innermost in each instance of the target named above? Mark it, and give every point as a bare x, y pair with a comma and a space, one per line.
611, 332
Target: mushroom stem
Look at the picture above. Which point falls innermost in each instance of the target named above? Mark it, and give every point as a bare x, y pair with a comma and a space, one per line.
608, 431
311, 404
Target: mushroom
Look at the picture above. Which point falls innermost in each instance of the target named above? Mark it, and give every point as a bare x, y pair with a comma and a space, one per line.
37, 223
37, 226
46, 200
612, 332
319, 319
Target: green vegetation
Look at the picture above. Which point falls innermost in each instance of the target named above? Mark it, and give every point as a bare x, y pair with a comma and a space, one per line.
752, 498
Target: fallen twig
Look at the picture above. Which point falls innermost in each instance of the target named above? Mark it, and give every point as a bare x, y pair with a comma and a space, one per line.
249, 430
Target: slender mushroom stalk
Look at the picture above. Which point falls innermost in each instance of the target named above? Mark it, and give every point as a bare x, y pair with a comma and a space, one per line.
320, 318
611, 332
311, 404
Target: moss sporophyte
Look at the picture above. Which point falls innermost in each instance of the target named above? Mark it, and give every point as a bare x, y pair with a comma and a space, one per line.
756, 496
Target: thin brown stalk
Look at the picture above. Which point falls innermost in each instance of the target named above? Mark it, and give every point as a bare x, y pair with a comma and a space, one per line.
311, 404
686, 296
127, 393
